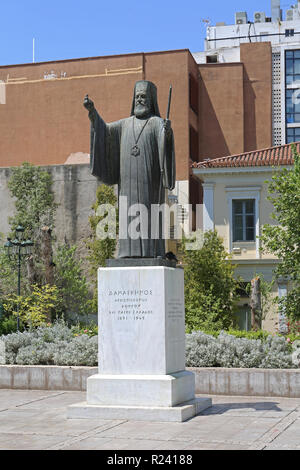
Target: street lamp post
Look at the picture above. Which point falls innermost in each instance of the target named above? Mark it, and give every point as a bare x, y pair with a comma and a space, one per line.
18, 249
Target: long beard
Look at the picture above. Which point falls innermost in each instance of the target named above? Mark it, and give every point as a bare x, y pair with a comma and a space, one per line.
141, 111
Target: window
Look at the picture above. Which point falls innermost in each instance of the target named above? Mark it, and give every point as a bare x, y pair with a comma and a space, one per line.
243, 218
243, 317
212, 59
195, 198
292, 134
292, 66
263, 36
289, 32
292, 105
292, 94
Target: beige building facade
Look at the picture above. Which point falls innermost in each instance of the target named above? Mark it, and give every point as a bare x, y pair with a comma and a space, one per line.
236, 205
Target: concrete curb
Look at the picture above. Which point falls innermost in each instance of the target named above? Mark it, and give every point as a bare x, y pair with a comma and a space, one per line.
45, 377
248, 382
211, 381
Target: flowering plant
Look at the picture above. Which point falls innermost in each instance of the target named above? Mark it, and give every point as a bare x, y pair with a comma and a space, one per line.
293, 328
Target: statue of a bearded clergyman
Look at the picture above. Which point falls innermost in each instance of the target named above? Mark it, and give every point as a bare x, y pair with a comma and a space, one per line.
137, 153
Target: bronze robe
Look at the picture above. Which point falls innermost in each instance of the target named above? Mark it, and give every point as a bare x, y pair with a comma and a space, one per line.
138, 177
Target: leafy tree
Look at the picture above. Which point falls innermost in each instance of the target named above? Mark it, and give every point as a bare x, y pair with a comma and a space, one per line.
34, 309
8, 276
30, 185
283, 239
101, 249
209, 286
73, 289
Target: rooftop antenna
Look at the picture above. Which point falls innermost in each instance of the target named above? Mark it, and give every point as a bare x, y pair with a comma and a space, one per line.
206, 21
33, 50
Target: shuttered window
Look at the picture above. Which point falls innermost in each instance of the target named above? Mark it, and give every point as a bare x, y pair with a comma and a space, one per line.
243, 220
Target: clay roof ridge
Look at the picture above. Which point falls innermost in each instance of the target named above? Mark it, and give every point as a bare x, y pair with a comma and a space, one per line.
276, 155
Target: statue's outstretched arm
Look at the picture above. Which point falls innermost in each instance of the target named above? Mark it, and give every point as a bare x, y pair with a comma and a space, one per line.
89, 105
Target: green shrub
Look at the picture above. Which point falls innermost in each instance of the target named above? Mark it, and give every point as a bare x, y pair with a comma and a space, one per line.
58, 344
226, 350
8, 325
51, 345
259, 334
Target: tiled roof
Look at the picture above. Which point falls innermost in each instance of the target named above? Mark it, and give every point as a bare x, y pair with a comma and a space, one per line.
281, 155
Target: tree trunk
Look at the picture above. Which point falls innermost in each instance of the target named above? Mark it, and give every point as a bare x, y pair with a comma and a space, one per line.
255, 304
47, 254
31, 274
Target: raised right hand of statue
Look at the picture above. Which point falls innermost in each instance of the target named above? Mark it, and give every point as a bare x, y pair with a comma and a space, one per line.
88, 104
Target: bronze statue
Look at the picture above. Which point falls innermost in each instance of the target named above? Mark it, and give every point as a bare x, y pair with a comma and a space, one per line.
137, 153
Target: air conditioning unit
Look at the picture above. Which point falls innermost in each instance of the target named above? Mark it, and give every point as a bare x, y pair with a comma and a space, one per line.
241, 17
259, 17
289, 15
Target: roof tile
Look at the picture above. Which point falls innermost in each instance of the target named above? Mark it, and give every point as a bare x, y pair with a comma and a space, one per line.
280, 155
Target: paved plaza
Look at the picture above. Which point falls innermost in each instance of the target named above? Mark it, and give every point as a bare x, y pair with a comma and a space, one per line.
37, 420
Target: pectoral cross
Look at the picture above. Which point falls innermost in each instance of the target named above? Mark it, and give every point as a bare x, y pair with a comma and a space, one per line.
135, 151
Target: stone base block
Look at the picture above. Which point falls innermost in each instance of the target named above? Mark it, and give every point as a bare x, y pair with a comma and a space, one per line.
178, 413
141, 390
141, 320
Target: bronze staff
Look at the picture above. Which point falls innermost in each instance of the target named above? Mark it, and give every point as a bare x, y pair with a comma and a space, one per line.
162, 169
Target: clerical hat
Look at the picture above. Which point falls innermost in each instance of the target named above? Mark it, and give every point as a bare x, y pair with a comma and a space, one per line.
152, 90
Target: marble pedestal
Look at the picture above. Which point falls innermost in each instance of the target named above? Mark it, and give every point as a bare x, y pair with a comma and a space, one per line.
142, 372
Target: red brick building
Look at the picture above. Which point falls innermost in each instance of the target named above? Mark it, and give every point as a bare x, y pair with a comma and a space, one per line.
217, 109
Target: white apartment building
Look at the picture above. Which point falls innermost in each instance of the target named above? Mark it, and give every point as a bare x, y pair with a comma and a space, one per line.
282, 30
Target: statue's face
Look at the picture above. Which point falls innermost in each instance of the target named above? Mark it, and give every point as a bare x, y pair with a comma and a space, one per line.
142, 106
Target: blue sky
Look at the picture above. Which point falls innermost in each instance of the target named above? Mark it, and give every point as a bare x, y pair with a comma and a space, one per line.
66, 29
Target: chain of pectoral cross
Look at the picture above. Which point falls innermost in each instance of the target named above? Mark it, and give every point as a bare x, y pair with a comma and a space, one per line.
135, 151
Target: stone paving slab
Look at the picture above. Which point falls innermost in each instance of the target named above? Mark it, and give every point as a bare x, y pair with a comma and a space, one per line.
14, 441
58, 400
36, 420
10, 398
